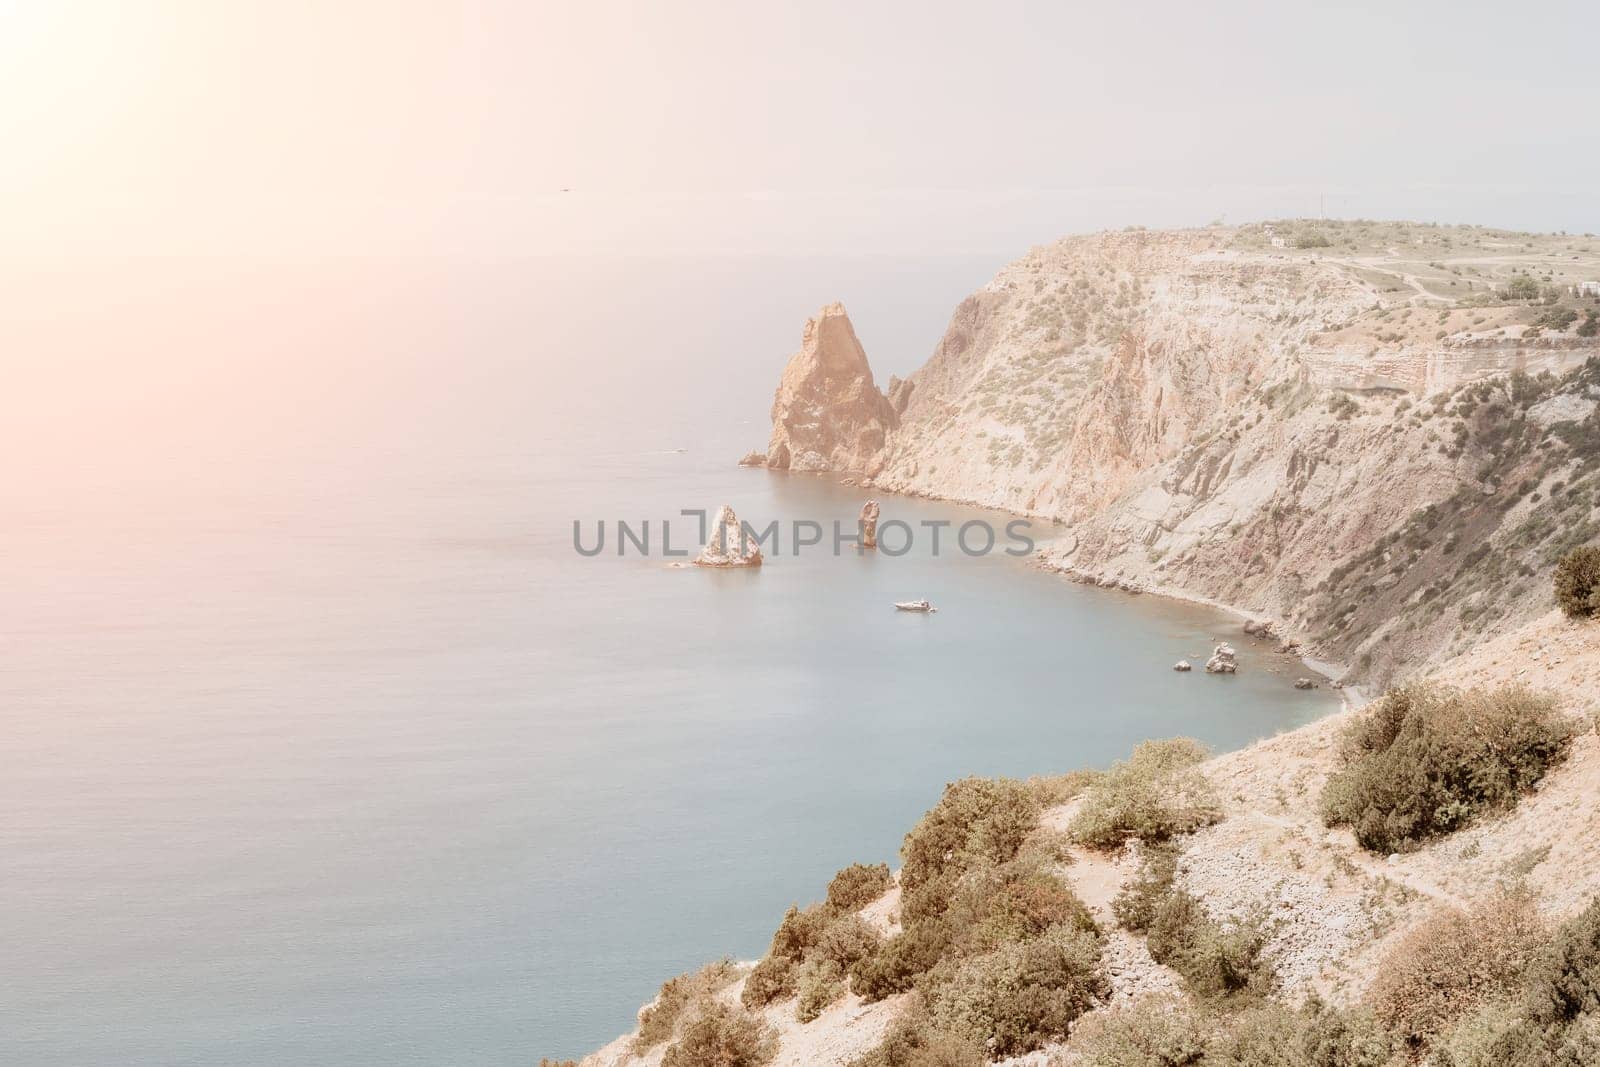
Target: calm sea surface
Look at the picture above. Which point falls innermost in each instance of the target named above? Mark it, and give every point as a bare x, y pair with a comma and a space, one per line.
322, 745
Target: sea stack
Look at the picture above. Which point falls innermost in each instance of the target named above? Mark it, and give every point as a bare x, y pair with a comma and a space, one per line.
869, 524
727, 545
1222, 660
828, 414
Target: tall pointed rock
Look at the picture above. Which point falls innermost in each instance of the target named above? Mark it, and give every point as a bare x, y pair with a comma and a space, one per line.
828, 414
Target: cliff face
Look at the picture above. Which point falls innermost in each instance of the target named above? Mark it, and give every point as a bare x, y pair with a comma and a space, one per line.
1217, 415
828, 414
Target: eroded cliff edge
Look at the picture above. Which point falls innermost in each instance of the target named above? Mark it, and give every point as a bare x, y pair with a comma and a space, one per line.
1380, 438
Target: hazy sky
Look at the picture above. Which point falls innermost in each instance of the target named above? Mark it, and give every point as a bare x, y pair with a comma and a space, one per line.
376, 127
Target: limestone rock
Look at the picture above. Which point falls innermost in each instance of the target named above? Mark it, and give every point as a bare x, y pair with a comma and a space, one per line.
869, 524
1183, 665
727, 545
828, 414
1304, 683
1260, 628
1222, 660
754, 459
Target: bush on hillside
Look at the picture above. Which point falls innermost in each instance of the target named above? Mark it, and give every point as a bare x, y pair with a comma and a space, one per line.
858, 885
1217, 960
1013, 902
897, 964
846, 941
1553, 1020
772, 979
1427, 760
1155, 1032
1454, 963
1564, 981
1053, 789
817, 934
1313, 1035
799, 931
722, 1036
1154, 794
913, 1041
978, 822
1169, 1032
1136, 905
819, 982
1020, 996
660, 1018
1577, 581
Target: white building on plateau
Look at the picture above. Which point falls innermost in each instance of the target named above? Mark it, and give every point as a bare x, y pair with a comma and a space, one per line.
1588, 288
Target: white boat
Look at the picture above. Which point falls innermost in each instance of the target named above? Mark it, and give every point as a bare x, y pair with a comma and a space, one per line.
914, 605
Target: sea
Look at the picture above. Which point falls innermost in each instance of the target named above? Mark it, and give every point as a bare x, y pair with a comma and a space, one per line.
323, 744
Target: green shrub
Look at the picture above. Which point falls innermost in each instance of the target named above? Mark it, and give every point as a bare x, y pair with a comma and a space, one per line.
1314, 1035
1577, 581
1136, 905
1493, 1035
846, 941
815, 935
1564, 980
1020, 996
977, 821
820, 982
722, 1036
857, 885
1520, 287
1155, 1032
1153, 795
1014, 902
900, 960
772, 979
1311, 239
1552, 1020
1053, 789
799, 932
658, 1020
1216, 960
913, 1041
1427, 760
1453, 963
1168, 1032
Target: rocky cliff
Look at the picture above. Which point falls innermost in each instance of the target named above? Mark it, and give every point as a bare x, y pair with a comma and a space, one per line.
828, 414
1224, 414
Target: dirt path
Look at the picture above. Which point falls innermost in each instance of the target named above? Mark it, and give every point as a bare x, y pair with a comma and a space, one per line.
1375, 867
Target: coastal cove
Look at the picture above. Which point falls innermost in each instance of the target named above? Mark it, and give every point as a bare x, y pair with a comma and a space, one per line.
815, 723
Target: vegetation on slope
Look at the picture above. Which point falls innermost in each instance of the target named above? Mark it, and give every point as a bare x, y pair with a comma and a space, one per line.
1577, 581
1426, 760
1153, 795
1464, 566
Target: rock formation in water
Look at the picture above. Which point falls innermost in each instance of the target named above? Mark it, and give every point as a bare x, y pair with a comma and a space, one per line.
869, 524
1222, 660
828, 414
1183, 665
727, 544
754, 459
